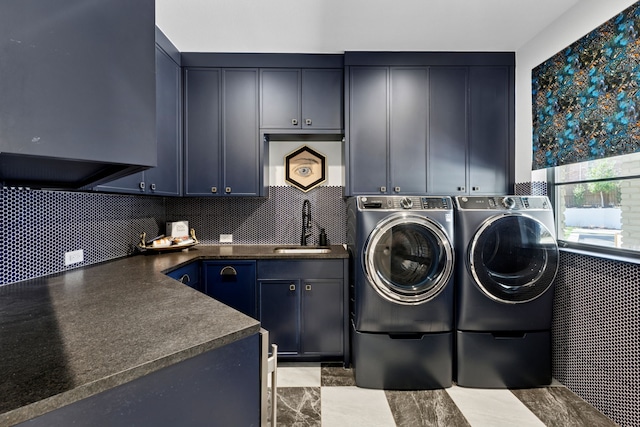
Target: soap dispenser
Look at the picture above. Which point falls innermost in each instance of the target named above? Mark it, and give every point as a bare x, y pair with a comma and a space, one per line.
323, 237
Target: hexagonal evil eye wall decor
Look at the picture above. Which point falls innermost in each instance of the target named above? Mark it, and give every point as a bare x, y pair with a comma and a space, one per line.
305, 168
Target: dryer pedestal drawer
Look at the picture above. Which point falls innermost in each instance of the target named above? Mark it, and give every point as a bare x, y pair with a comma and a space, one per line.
503, 360
402, 362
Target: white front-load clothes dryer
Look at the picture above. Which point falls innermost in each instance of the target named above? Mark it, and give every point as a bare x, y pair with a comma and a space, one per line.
402, 259
507, 263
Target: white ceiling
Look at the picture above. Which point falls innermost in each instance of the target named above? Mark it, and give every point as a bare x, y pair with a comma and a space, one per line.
336, 26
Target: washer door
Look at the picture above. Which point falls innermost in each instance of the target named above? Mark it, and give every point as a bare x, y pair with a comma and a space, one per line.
513, 258
408, 259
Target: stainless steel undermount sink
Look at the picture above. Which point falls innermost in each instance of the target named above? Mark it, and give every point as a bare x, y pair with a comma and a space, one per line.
301, 250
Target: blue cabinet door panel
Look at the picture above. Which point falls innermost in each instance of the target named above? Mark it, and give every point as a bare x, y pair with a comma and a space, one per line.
202, 131
368, 130
279, 313
232, 283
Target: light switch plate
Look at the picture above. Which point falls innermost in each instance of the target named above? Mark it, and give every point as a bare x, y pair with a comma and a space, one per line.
226, 238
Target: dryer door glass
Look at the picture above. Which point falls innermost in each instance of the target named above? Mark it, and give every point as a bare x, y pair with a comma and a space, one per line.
513, 258
408, 259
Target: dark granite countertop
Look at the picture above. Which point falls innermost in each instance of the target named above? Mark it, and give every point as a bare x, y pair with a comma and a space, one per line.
71, 335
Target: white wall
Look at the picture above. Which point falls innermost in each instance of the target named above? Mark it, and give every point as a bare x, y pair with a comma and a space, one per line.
571, 26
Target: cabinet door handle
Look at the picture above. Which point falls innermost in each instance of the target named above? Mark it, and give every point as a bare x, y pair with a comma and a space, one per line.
383, 189
228, 271
141, 185
396, 189
475, 188
185, 279
307, 122
460, 188
227, 190
292, 287
153, 187
294, 122
214, 189
307, 287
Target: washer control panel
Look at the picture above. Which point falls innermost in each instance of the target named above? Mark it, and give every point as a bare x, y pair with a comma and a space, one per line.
405, 202
503, 202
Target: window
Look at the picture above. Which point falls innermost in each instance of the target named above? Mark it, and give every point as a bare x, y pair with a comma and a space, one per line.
597, 203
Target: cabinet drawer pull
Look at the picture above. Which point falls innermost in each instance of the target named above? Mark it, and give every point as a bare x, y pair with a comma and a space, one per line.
383, 189
460, 188
228, 271
185, 279
396, 189
214, 189
292, 287
308, 287
307, 122
153, 187
227, 190
141, 185
475, 188
294, 122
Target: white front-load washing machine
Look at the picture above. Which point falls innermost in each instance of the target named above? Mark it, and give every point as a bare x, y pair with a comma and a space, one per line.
402, 260
507, 263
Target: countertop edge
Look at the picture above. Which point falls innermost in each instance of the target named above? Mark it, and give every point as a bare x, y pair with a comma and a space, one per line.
41, 407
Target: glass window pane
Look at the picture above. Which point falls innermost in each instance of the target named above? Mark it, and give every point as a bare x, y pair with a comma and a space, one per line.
603, 213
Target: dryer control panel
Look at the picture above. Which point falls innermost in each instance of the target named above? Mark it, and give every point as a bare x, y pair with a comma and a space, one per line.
503, 202
405, 202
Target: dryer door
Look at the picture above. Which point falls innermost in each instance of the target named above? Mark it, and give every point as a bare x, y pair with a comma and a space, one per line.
513, 258
408, 259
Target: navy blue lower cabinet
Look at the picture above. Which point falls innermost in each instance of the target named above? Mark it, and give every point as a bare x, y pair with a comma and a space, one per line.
189, 275
304, 317
218, 388
232, 283
279, 313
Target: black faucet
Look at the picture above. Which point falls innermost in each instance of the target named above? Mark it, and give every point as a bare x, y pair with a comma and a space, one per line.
306, 222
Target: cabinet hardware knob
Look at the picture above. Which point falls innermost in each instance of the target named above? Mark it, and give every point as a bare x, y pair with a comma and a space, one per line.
307, 122
185, 279
308, 287
460, 188
396, 189
292, 287
153, 187
383, 189
214, 189
294, 122
227, 190
475, 188
228, 271
141, 185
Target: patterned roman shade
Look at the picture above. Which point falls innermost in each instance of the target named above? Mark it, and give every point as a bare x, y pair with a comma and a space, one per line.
586, 98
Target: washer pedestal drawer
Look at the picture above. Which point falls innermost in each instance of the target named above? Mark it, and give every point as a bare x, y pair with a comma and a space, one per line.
402, 362
504, 359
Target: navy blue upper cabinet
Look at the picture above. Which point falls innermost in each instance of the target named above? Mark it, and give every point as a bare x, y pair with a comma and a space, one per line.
307, 99
430, 123
222, 153
78, 91
448, 130
388, 113
164, 179
471, 130
202, 131
368, 130
491, 129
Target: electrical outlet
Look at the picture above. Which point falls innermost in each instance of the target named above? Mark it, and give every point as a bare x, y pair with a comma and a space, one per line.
226, 238
73, 257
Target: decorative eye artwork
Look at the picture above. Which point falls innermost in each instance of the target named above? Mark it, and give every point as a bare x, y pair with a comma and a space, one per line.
305, 168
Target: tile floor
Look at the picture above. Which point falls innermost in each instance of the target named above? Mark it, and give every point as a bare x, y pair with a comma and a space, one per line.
314, 394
